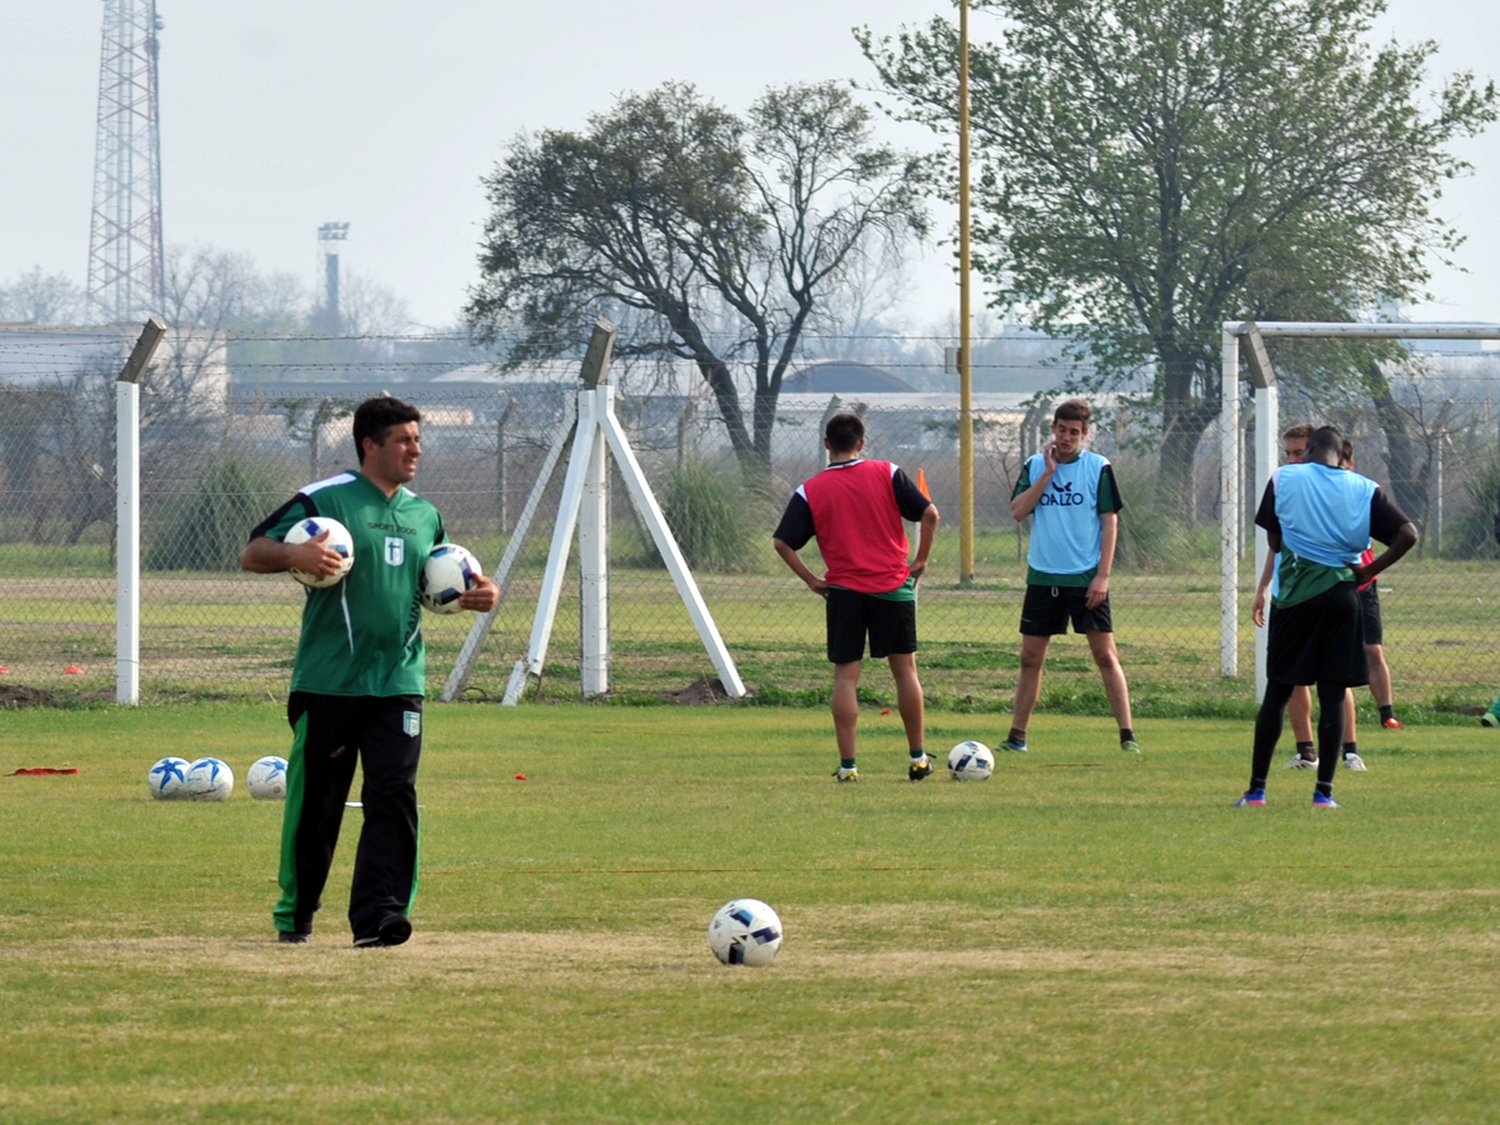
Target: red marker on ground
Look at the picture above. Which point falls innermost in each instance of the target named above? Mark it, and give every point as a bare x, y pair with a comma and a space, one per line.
520, 777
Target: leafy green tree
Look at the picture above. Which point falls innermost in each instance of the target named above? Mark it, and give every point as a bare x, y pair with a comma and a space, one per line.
713, 238
1149, 169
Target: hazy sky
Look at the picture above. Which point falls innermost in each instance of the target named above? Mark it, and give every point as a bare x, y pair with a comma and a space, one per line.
279, 115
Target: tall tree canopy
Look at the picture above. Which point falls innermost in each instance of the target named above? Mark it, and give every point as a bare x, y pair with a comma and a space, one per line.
719, 236
1152, 168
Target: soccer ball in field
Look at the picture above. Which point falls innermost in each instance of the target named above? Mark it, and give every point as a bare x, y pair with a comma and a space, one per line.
449, 571
745, 932
166, 778
970, 761
208, 779
338, 538
266, 779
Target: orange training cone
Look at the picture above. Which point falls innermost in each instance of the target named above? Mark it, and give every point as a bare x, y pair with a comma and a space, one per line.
922, 484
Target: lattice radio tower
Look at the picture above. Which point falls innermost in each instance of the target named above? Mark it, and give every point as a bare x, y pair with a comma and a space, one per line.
125, 244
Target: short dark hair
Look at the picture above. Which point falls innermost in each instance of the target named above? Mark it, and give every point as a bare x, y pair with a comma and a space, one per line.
1074, 410
1346, 451
1301, 430
844, 433
374, 418
1328, 439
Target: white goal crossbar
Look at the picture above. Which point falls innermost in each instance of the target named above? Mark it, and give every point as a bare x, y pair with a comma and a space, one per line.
1251, 336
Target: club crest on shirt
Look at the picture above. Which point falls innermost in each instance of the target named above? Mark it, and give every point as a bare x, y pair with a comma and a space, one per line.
395, 550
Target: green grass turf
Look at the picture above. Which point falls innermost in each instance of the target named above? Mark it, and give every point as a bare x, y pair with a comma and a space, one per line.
1087, 937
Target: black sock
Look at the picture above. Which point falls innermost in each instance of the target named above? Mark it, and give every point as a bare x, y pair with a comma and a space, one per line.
1307, 750
846, 763
1127, 735
1017, 736
1387, 712
1325, 788
1351, 748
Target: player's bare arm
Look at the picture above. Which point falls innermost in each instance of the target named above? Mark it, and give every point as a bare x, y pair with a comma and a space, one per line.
1405, 539
483, 597
817, 585
925, 533
1024, 504
1263, 589
264, 555
1109, 534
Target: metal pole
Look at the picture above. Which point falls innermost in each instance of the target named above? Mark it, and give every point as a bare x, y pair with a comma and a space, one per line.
128, 514
1230, 498
965, 385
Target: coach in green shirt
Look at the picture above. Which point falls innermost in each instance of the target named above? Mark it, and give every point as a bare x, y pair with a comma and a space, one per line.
359, 677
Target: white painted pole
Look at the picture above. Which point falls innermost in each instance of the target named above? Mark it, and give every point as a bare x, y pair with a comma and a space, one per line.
593, 545
687, 589
468, 656
128, 513
1267, 448
562, 539
1230, 516
127, 543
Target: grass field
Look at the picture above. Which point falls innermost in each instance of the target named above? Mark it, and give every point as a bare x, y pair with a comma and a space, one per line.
1087, 937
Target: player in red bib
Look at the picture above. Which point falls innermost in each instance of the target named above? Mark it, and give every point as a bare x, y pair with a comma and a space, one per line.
854, 508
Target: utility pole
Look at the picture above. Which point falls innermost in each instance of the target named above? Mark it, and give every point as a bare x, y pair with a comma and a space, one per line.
965, 384
126, 276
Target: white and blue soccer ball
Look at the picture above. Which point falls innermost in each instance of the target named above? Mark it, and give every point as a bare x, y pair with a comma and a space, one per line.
266, 779
745, 932
449, 571
338, 538
970, 761
167, 778
208, 779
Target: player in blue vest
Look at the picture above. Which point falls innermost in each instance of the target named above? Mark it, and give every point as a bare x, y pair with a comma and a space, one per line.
1320, 518
1071, 495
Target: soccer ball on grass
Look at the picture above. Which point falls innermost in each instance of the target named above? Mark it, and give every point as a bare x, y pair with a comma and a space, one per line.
166, 778
208, 779
745, 932
449, 571
338, 538
970, 761
266, 779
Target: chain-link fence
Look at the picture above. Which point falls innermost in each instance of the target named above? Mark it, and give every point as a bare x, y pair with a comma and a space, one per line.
215, 465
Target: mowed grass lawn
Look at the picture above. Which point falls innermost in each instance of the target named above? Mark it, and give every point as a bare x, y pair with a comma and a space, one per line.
1086, 937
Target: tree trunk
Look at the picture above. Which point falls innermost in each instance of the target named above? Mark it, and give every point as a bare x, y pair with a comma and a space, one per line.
1184, 419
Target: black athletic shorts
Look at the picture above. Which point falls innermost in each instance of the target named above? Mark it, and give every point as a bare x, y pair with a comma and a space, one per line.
892, 626
1321, 640
1369, 605
1047, 610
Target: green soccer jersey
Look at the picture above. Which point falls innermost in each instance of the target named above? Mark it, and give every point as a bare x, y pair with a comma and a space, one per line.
363, 636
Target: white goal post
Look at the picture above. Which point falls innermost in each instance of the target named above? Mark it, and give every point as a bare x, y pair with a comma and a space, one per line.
1251, 336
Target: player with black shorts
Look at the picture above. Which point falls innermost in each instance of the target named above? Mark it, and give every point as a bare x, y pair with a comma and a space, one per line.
1071, 495
358, 679
854, 508
1320, 518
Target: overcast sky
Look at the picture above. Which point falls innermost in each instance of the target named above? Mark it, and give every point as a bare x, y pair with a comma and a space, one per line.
279, 115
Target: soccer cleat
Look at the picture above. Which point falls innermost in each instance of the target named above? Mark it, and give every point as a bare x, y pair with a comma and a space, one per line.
919, 768
292, 937
1130, 746
394, 929
842, 775
1298, 762
1253, 798
1392, 723
1322, 801
1019, 747
1355, 762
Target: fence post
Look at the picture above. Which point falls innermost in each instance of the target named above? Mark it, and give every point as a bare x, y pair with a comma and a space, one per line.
500, 463
128, 513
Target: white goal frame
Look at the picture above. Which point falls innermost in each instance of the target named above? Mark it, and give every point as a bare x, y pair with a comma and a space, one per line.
1251, 335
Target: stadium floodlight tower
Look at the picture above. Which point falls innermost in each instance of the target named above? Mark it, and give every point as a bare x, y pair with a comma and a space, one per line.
126, 277
1251, 336
329, 237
